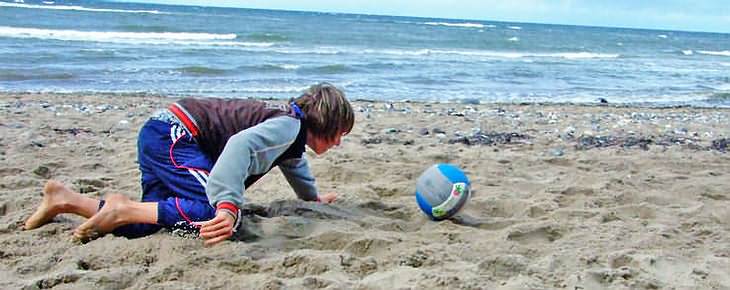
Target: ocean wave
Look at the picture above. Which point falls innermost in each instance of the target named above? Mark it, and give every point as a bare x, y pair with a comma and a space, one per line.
328, 69
494, 54
465, 24
581, 55
318, 51
27, 76
269, 67
76, 8
467, 53
144, 28
22, 32
687, 52
177, 38
272, 89
201, 70
719, 97
716, 53
514, 27
97, 53
288, 66
284, 66
267, 37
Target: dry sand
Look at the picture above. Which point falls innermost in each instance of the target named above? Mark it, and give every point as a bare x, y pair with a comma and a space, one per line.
564, 197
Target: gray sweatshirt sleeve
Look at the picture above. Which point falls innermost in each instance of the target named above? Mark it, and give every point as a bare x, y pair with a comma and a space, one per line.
249, 152
300, 178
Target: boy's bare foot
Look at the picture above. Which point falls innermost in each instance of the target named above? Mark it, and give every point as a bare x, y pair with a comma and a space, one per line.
57, 199
106, 220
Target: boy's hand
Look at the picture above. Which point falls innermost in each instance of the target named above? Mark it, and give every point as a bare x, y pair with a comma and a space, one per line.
218, 229
327, 197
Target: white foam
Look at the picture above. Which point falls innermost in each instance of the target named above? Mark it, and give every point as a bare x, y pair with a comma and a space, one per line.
400, 52
320, 50
687, 52
566, 55
178, 38
514, 27
580, 55
514, 39
288, 66
494, 54
466, 24
218, 43
662, 36
718, 53
272, 89
74, 8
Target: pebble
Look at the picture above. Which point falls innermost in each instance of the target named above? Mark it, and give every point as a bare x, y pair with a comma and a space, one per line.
438, 131
122, 125
557, 152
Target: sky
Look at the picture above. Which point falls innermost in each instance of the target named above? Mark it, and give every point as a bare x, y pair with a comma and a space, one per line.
688, 15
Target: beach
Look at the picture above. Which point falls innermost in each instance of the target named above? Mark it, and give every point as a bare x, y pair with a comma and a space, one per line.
564, 196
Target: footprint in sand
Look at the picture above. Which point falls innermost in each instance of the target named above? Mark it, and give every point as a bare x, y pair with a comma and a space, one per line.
90, 185
360, 267
240, 265
11, 171
417, 259
380, 209
296, 265
46, 170
381, 191
43, 172
539, 234
569, 196
559, 162
503, 266
368, 247
329, 240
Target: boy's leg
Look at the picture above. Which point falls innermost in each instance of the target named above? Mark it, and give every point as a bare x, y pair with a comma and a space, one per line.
171, 212
124, 217
58, 199
118, 210
174, 175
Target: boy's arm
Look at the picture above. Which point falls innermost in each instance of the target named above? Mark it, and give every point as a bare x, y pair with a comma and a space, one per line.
249, 152
300, 178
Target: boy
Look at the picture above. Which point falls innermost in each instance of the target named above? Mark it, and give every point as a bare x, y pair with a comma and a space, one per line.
198, 156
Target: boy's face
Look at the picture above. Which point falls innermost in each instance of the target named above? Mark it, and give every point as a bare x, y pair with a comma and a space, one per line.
321, 145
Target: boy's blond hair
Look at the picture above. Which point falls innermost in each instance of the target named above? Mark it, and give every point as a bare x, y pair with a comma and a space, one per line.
327, 111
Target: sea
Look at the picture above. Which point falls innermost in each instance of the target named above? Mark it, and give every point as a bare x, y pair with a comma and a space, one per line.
127, 48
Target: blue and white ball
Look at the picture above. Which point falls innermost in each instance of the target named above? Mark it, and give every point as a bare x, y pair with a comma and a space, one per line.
442, 190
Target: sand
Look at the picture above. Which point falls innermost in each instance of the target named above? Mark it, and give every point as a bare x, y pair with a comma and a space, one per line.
564, 197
